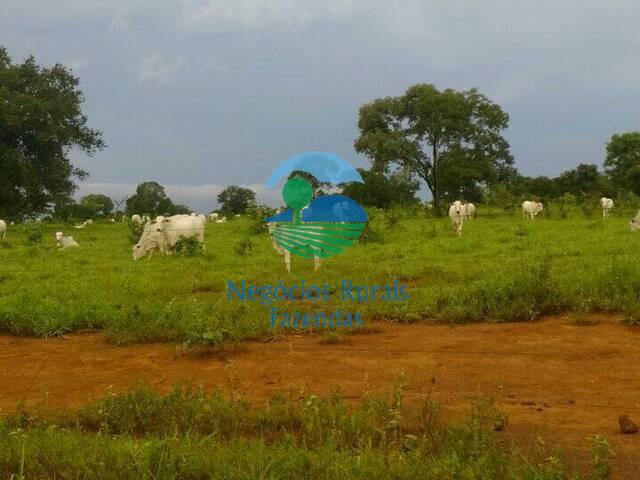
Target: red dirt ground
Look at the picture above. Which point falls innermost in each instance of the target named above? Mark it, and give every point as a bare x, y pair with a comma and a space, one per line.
554, 379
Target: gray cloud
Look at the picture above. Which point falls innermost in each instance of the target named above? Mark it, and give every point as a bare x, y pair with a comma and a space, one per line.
215, 92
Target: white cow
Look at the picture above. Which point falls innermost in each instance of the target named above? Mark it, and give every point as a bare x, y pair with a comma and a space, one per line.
456, 214
469, 210
213, 217
222, 220
165, 234
65, 241
607, 206
3, 229
287, 254
136, 219
531, 209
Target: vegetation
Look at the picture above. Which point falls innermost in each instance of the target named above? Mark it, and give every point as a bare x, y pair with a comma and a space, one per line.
41, 120
503, 268
452, 140
151, 199
236, 200
383, 190
188, 434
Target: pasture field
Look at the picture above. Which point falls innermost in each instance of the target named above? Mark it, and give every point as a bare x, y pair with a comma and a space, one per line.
503, 268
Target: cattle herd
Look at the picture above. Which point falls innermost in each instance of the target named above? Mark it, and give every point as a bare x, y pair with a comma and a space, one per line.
162, 233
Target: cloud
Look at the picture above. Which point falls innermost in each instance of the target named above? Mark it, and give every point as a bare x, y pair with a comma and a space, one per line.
159, 68
262, 14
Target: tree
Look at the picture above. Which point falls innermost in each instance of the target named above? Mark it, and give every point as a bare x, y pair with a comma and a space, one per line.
584, 180
623, 161
426, 127
236, 200
95, 206
383, 190
150, 199
41, 120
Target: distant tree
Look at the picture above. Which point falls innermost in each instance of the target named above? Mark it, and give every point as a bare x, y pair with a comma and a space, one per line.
426, 127
95, 206
584, 180
383, 190
235, 199
41, 121
623, 161
151, 199
534, 188
319, 188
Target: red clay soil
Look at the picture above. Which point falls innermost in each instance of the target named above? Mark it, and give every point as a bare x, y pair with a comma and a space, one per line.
555, 380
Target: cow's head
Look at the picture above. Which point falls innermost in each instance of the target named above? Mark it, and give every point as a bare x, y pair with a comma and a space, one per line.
458, 207
150, 239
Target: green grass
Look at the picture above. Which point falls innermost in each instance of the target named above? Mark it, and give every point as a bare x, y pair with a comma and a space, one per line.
502, 269
190, 435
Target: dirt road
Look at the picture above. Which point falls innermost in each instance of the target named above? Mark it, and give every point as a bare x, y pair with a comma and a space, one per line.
556, 380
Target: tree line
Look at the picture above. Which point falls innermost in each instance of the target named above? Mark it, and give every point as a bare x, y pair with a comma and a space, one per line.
451, 142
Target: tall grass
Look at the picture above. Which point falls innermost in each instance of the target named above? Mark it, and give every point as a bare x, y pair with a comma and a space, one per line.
503, 268
190, 435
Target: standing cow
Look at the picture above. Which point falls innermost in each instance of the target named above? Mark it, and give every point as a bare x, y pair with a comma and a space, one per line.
469, 211
3, 229
457, 212
163, 235
286, 253
607, 206
531, 209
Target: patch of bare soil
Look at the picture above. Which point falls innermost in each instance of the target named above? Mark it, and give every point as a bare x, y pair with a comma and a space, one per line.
556, 380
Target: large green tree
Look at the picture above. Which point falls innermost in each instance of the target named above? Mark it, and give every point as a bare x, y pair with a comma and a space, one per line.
623, 161
41, 120
236, 200
426, 128
95, 206
383, 189
150, 199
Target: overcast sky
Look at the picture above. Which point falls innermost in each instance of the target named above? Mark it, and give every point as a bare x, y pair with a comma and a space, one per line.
196, 94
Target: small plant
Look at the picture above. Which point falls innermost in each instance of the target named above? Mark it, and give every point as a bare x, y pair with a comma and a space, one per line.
34, 239
581, 318
243, 247
207, 342
392, 216
370, 234
332, 337
600, 453
189, 247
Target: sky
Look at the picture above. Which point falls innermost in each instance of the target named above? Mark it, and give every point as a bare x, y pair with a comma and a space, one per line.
199, 94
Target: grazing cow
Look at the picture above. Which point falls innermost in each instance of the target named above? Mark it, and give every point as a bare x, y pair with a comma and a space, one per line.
65, 241
635, 223
3, 229
222, 220
136, 219
113, 220
469, 210
165, 234
287, 253
82, 225
607, 206
213, 217
531, 209
457, 214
